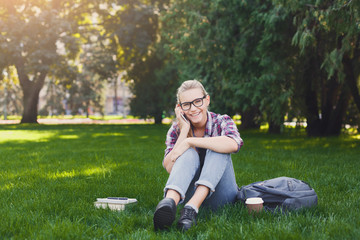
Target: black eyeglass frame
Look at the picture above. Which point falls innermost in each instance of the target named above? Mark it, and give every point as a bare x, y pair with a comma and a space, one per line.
193, 103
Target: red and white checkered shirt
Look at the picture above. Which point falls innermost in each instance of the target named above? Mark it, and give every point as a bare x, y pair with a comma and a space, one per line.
216, 125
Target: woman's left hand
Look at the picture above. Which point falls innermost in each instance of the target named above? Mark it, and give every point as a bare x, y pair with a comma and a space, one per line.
180, 149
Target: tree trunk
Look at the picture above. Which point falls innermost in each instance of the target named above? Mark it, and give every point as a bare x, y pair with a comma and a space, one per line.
336, 119
330, 95
248, 119
158, 118
350, 79
87, 109
275, 127
311, 102
31, 90
116, 109
335, 100
30, 101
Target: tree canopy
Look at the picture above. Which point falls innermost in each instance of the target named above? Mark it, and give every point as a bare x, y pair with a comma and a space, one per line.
38, 38
271, 59
267, 60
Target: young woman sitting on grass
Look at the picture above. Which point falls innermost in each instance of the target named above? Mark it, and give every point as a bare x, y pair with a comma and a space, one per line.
197, 157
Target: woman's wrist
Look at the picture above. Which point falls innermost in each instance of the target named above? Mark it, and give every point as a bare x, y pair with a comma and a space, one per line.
189, 142
185, 129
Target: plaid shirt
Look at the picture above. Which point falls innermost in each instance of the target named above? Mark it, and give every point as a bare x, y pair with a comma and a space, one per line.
216, 125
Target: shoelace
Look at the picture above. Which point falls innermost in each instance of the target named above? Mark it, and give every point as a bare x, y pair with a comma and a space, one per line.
189, 213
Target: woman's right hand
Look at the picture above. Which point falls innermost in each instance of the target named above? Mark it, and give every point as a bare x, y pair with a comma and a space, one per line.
183, 123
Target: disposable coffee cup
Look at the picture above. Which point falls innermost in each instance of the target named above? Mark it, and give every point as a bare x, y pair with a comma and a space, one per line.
254, 205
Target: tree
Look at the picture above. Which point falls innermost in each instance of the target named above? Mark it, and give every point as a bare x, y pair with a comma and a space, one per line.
55, 95
135, 29
33, 34
85, 94
43, 38
99, 62
153, 84
232, 46
274, 57
328, 39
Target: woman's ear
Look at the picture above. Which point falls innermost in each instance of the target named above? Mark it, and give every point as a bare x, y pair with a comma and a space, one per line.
208, 99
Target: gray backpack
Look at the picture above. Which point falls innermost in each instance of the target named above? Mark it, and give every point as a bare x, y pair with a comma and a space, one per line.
282, 193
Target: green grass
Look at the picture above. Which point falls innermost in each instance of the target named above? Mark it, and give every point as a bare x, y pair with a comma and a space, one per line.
94, 117
50, 175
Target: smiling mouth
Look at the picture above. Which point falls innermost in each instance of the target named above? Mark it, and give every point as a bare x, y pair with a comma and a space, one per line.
194, 115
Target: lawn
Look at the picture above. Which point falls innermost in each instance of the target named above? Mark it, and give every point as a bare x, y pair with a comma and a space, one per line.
50, 175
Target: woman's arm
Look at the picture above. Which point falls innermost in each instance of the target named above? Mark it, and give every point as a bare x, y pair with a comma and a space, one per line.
178, 148
171, 157
220, 144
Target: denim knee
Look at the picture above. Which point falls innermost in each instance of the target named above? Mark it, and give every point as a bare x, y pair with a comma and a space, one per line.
215, 165
183, 172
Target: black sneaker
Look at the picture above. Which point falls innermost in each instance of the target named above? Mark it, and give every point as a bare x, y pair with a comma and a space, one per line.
187, 218
164, 214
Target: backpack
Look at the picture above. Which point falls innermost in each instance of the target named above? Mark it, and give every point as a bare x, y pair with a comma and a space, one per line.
282, 193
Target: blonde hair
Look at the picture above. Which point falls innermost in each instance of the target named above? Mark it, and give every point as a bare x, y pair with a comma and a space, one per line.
187, 85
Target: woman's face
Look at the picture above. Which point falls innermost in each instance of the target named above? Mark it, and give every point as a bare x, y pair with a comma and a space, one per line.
197, 115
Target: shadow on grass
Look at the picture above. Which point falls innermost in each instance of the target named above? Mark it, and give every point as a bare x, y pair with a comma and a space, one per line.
122, 155
51, 175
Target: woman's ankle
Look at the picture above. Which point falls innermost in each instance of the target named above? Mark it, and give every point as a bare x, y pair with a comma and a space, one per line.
173, 195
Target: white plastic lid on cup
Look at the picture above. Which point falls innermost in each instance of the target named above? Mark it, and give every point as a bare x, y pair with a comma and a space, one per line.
254, 200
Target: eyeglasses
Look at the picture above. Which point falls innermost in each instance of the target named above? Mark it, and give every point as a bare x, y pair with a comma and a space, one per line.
198, 102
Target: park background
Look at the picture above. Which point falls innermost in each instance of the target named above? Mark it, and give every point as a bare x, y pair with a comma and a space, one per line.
286, 71
266, 61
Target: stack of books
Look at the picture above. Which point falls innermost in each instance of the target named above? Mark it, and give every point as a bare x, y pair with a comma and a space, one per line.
114, 203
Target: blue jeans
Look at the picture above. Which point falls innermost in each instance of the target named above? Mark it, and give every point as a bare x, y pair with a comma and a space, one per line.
217, 174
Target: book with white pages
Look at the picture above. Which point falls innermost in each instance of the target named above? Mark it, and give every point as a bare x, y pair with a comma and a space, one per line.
114, 203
